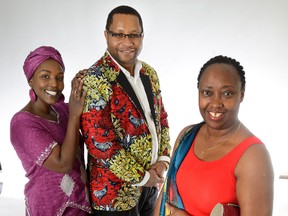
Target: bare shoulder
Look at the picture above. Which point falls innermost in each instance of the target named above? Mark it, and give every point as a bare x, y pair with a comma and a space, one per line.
255, 159
254, 181
181, 135
256, 154
256, 151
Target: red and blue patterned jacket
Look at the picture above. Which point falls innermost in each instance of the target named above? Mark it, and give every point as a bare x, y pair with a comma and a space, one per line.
116, 133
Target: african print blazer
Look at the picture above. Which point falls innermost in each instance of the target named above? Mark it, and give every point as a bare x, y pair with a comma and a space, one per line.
116, 133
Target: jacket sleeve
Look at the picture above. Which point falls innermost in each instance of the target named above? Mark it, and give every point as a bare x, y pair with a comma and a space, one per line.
164, 136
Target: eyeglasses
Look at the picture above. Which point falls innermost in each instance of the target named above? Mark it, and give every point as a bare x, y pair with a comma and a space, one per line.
122, 36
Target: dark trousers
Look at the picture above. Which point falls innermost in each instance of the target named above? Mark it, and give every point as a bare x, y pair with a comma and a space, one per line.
145, 206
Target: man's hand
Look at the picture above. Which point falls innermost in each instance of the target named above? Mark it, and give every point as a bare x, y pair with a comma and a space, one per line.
154, 179
159, 168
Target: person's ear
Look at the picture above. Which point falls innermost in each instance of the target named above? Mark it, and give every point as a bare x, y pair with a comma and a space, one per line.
30, 83
106, 35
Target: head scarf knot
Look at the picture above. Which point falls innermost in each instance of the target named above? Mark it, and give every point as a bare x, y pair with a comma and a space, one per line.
38, 56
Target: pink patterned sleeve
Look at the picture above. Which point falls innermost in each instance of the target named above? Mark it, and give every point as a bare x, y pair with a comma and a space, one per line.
30, 139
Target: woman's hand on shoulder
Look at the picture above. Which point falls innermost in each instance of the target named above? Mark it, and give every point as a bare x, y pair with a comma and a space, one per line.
77, 95
80, 75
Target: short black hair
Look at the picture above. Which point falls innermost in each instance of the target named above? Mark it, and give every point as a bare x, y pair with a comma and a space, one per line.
224, 60
123, 9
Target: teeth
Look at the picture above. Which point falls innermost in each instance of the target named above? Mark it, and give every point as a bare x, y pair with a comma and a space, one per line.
127, 51
215, 114
51, 92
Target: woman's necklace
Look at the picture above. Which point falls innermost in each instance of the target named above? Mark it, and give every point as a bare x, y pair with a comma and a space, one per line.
204, 150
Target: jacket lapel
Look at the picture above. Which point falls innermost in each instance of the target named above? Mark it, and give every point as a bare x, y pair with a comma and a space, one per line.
122, 80
148, 89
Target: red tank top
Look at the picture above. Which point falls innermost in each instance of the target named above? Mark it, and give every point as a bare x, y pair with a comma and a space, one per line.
203, 184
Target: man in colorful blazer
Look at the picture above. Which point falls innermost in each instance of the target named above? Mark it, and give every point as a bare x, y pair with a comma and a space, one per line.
124, 123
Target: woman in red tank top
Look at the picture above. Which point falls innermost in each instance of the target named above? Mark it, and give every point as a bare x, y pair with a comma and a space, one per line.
218, 160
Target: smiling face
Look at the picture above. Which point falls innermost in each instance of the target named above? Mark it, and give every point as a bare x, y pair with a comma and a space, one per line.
48, 82
124, 50
220, 95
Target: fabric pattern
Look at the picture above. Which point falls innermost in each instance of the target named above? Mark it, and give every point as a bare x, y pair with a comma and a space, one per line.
117, 135
47, 192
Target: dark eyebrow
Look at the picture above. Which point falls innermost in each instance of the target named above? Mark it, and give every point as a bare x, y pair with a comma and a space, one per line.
229, 86
45, 70
207, 87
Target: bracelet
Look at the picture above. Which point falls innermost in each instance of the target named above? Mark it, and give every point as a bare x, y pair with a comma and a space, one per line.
166, 164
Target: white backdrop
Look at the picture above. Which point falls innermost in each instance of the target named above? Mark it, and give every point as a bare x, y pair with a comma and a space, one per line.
180, 36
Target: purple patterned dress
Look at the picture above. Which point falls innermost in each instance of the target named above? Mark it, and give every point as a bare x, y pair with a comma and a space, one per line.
48, 193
